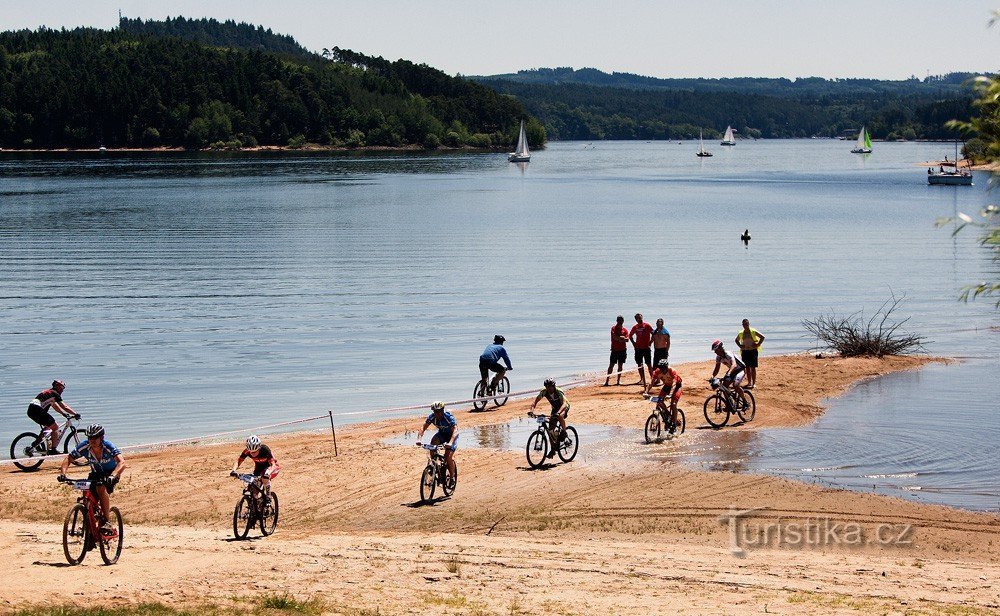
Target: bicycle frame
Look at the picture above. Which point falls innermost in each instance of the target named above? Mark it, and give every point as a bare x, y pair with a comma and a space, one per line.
89, 500
435, 456
46, 433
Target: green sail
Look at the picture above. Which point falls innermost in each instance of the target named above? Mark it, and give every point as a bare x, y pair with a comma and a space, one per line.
868, 141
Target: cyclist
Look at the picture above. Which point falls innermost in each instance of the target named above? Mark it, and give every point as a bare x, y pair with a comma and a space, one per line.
490, 360
735, 369
38, 411
265, 465
447, 433
670, 378
560, 407
106, 464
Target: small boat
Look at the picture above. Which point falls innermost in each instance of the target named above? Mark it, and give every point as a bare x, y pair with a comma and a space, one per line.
521, 154
701, 149
728, 138
864, 143
950, 174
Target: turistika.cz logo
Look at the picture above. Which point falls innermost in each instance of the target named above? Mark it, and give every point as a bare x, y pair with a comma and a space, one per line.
749, 531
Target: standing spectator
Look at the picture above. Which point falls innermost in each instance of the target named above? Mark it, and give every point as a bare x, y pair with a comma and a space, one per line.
661, 347
749, 341
619, 348
641, 337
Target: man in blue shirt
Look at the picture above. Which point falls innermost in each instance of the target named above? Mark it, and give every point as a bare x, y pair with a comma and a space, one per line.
106, 463
447, 433
490, 360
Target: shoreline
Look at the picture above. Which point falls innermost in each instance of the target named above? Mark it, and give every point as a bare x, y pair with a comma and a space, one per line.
627, 538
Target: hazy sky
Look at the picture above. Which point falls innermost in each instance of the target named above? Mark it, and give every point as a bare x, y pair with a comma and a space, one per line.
889, 39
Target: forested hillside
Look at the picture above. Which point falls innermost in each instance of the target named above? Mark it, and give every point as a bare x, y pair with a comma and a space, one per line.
201, 83
589, 104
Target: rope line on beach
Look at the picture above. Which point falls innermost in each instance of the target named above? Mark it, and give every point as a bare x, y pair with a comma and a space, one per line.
397, 409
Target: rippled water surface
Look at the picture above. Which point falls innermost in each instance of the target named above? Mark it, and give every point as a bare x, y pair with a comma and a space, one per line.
180, 295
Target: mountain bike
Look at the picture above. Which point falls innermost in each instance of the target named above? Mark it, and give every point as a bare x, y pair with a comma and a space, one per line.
256, 506
82, 527
724, 402
436, 473
36, 445
660, 421
499, 394
540, 442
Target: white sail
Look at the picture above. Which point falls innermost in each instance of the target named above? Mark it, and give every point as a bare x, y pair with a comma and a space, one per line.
522, 142
861, 139
728, 138
701, 142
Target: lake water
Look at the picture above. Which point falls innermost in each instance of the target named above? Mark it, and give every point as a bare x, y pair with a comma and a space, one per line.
185, 294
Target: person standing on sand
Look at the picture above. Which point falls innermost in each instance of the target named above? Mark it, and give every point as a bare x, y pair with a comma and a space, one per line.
749, 341
641, 337
661, 345
619, 348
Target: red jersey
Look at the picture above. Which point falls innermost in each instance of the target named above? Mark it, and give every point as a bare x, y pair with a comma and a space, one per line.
616, 344
669, 378
643, 335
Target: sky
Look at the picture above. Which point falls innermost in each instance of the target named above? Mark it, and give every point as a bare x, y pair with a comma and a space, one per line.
884, 39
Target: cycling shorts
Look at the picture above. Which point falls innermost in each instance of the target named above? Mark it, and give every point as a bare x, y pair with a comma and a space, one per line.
40, 416
666, 391
736, 378
265, 469
485, 365
97, 478
443, 437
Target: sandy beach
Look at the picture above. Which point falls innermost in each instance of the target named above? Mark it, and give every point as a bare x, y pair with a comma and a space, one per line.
622, 536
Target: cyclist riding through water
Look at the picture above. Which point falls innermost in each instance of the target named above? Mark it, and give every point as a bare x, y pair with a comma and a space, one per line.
265, 465
106, 464
735, 369
489, 360
38, 411
560, 407
447, 433
670, 378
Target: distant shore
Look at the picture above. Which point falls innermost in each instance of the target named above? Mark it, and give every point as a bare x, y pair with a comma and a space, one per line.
260, 148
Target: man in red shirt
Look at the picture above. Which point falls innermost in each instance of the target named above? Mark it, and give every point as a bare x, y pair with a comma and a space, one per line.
641, 337
619, 348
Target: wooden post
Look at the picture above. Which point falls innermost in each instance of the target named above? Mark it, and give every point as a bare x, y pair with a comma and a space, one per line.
334, 430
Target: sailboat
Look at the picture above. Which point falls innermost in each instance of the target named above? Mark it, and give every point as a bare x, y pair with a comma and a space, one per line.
956, 177
728, 138
864, 144
521, 154
701, 143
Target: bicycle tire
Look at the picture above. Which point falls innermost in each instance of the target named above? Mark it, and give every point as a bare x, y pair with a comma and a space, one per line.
570, 442
243, 517
111, 547
70, 443
448, 486
717, 410
503, 387
653, 427
269, 516
746, 413
21, 450
538, 444
681, 423
75, 533
427, 483
479, 392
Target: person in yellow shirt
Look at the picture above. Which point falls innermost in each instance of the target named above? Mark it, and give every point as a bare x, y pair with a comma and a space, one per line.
749, 341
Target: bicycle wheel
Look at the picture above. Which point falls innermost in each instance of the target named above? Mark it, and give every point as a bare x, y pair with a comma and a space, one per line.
569, 446
653, 427
111, 545
747, 408
427, 483
71, 442
717, 410
450, 481
75, 534
681, 423
269, 517
22, 447
479, 392
243, 517
503, 387
537, 448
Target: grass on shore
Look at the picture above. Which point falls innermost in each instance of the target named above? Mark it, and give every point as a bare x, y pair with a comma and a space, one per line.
261, 606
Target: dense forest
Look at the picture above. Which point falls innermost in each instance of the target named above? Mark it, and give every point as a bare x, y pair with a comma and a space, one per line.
204, 83
589, 104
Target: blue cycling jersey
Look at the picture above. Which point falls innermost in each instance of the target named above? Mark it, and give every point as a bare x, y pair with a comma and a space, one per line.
106, 463
446, 423
494, 353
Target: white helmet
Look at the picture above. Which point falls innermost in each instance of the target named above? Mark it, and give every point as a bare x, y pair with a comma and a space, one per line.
253, 442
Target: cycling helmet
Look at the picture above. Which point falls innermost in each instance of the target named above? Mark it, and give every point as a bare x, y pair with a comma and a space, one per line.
663, 364
548, 382
253, 442
59, 386
716, 344
437, 406
95, 431
498, 339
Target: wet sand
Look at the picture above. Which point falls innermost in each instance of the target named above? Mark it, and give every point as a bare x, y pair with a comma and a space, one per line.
575, 538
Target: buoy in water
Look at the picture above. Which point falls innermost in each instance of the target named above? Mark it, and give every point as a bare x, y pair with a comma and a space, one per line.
745, 238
